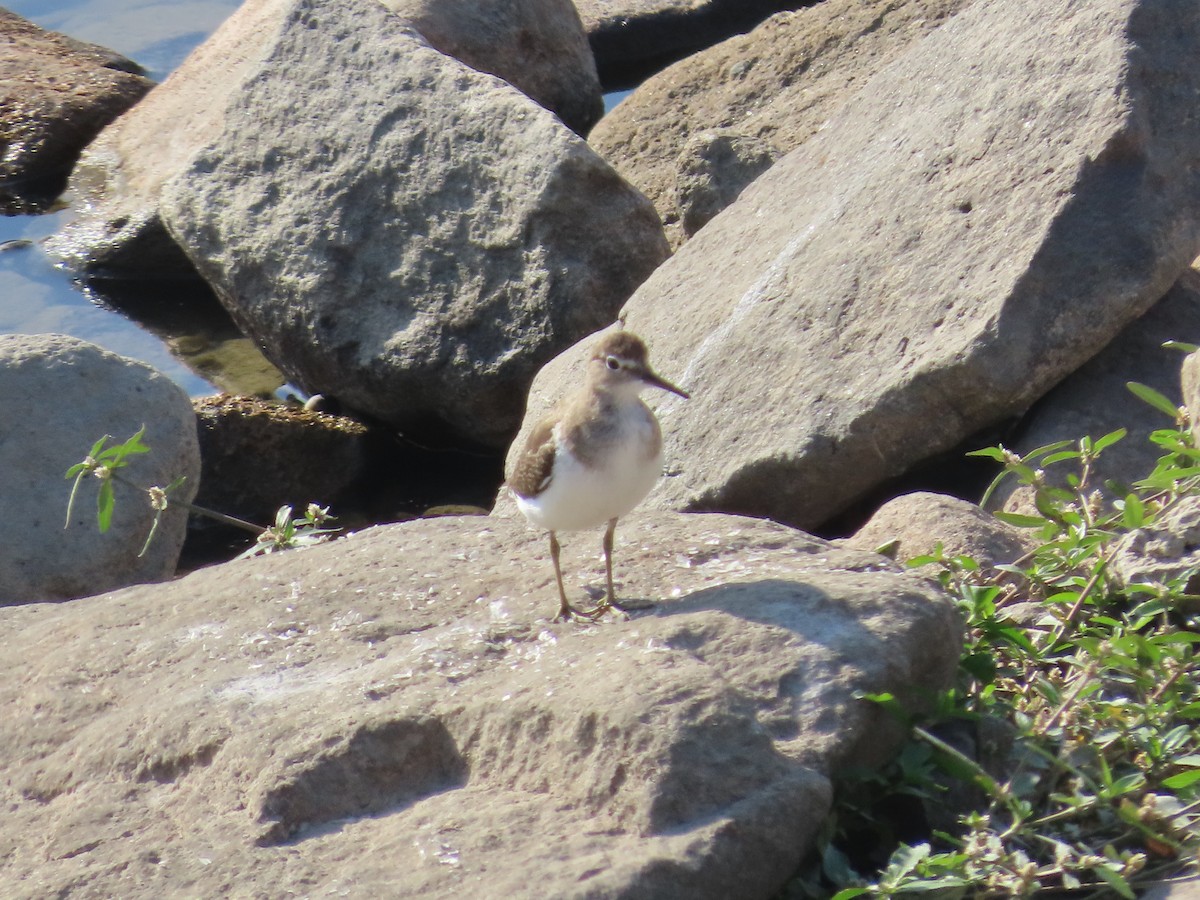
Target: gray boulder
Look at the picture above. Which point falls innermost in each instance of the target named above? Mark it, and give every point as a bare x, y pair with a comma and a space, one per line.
394, 715
58, 396
965, 233
1094, 401
915, 524
120, 177
774, 87
56, 94
537, 46
404, 233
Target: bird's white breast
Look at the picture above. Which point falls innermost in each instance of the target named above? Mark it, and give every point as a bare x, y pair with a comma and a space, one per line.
583, 496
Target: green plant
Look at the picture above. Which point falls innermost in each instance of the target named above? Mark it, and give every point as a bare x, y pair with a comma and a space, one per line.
1097, 682
105, 464
288, 533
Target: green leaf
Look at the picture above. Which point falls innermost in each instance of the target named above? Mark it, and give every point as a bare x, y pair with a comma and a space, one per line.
1047, 448
1125, 784
99, 445
115, 456
1108, 440
1182, 780
996, 453
850, 893
1115, 881
905, 860
1060, 456
104, 505
1154, 398
1134, 513
1180, 345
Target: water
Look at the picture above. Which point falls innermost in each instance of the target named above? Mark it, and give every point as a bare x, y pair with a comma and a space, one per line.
155, 35
37, 297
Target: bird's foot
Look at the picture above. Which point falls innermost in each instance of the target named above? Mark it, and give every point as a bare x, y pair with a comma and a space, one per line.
567, 612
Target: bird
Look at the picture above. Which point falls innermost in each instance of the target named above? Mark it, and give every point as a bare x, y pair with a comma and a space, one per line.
594, 457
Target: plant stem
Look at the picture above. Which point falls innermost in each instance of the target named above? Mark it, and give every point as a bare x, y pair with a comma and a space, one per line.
198, 510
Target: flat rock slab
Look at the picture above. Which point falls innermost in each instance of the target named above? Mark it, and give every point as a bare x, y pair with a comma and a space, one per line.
986, 214
56, 94
393, 714
58, 396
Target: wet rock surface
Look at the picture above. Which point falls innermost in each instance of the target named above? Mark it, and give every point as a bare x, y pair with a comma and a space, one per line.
56, 94
394, 712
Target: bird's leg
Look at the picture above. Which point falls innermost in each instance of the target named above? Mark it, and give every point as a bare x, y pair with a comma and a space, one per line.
611, 599
565, 610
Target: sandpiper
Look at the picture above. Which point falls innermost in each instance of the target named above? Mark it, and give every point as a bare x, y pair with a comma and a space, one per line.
595, 456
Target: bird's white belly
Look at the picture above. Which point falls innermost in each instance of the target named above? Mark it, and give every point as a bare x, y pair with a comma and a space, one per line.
582, 497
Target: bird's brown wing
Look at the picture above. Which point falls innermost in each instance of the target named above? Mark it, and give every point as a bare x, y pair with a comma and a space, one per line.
530, 473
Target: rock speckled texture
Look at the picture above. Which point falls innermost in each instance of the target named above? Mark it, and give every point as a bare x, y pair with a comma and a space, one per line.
56, 94
538, 46
394, 714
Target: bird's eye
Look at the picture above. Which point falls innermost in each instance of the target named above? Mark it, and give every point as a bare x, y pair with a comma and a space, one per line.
613, 363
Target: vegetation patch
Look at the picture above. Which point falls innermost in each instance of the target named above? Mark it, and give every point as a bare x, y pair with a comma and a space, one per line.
1067, 757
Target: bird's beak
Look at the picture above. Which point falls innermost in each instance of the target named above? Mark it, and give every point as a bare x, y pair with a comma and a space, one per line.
655, 380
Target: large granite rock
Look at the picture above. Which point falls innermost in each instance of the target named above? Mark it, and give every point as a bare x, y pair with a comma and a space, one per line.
58, 396
1095, 401
394, 715
56, 94
120, 177
538, 46
403, 233
983, 217
634, 37
766, 92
